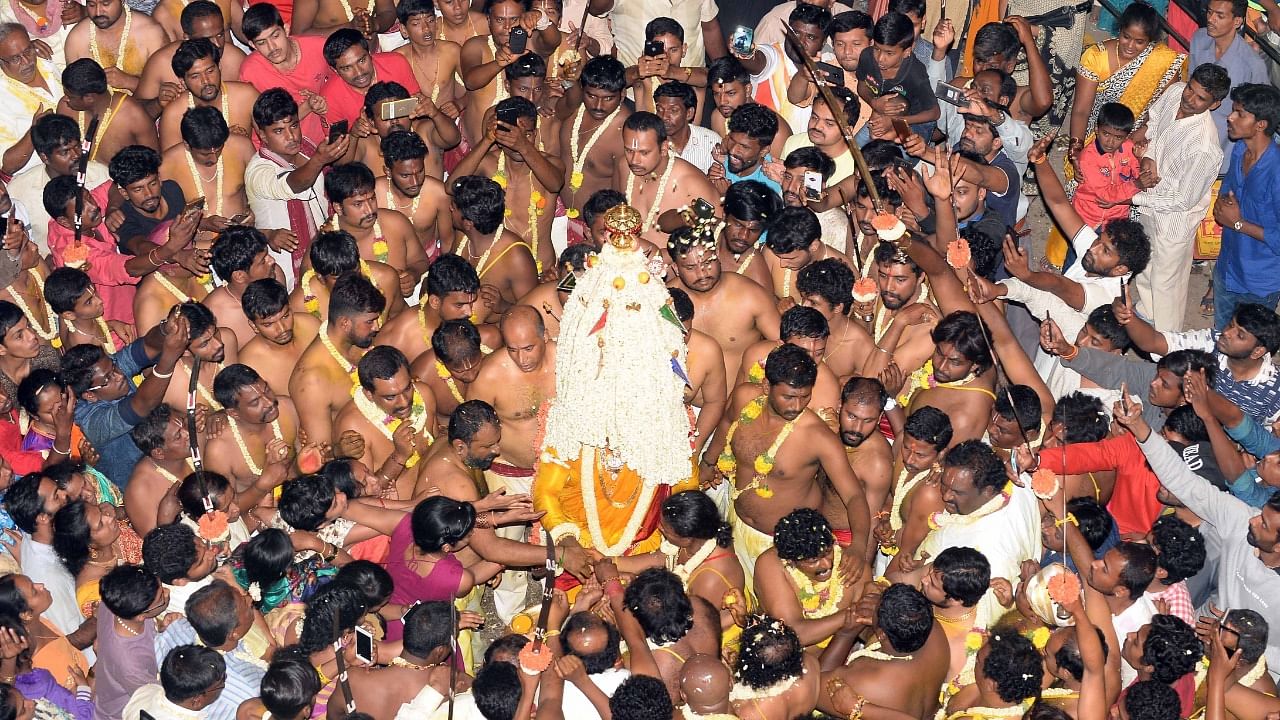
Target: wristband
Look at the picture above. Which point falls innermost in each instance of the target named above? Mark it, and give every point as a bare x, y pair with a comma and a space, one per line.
1075, 350
155, 372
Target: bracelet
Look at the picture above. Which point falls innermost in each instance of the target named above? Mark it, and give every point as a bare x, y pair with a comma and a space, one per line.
330, 556
688, 74
855, 713
613, 587
155, 373
880, 515
152, 260
1043, 159
59, 452
1075, 350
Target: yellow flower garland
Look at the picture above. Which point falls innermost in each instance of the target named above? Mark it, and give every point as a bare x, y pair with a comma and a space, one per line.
388, 424
579, 156
818, 596
727, 463
346, 365
443, 373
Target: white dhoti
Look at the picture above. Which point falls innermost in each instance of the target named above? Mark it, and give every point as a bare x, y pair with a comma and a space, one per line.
510, 597
1162, 287
748, 543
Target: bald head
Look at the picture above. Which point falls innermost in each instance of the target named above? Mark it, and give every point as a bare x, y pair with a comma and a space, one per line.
704, 684
524, 334
522, 317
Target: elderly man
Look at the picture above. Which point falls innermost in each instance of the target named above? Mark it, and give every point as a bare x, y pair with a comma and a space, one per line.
30, 87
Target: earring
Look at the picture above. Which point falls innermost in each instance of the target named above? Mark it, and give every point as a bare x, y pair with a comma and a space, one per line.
93, 553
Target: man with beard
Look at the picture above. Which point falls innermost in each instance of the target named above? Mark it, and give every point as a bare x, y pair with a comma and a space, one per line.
56, 140
503, 262
483, 58
283, 181
741, 155
381, 235
322, 380
102, 39
804, 554
653, 178
833, 221
239, 256
148, 202
195, 62
676, 102
826, 286
737, 312
901, 284
592, 134
731, 88
957, 378
824, 134
332, 255
213, 345
449, 293
295, 64
201, 19
410, 189
980, 156
162, 438
807, 329
749, 206
433, 127
450, 366
124, 122
281, 334
210, 163
775, 425
395, 414
260, 426
355, 70
862, 402
794, 243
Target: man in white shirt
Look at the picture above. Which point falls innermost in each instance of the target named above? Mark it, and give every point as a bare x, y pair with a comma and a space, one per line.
1183, 156
32, 502
182, 561
676, 102
698, 18
184, 668
283, 181
770, 30
596, 643
29, 85
56, 140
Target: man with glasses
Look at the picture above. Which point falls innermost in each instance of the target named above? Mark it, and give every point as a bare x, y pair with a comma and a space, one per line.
29, 89
109, 404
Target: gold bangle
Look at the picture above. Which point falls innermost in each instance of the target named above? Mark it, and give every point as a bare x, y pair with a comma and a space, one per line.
1043, 159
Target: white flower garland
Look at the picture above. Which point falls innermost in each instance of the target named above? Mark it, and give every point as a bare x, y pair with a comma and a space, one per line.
746, 692
51, 318
651, 218
379, 419
685, 570
638, 511
234, 427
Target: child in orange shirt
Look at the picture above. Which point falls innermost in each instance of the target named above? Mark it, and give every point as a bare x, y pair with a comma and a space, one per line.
1107, 169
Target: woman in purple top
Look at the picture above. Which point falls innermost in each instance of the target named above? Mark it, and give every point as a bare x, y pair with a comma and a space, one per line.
132, 597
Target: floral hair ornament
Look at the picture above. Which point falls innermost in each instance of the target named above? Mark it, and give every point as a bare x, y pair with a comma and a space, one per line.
213, 525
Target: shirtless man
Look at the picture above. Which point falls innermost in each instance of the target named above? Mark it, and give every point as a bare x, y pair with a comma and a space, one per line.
210, 163
123, 120
433, 127
450, 366
435, 62
459, 23
914, 495
549, 297
321, 17
213, 346
170, 15
196, 63
100, 39
707, 389
901, 284
770, 652
162, 438
240, 256
792, 480
449, 294
735, 311
408, 188
793, 244
749, 206
332, 255
530, 176
862, 402
807, 329
162, 290
503, 262
826, 286
281, 334
527, 78
517, 383
916, 662
388, 393
653, 178
962, 371
200, 19
731, 88
256, 420
804, 543
592, 134
483, 57
383, 236
322, 381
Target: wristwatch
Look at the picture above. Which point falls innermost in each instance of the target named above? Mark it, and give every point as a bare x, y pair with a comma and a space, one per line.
1237, 225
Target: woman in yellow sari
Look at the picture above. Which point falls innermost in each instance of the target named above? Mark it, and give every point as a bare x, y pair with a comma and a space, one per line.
1132, 69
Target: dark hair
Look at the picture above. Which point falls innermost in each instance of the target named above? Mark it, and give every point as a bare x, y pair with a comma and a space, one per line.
1179, 548
258, 18
770, 652
646, 122
1014, 664
509, 644
451, 273
802, 534
190, 670
340, 41
681, 303
169, 551
829, 279
906, 617
305, 500
380, 92
931, 425
35, 383
604, 72
751, 201
128, 590
83, 77
332, 610
756, 121
794, 229
64, 287
965, 572
1171, 649
195, 488
402, 145
263, 298
1152, 699
1140, 14
529, 64
849, 103
1214, 78
908, 7
811, 158
1093, 519
427, 626
1026, 411
604, 658
343, 181
211, 610
194, 11
267, 557
406, 9
191, 50
371, 578
1251, 633
382, 362
148, 435
290, 684
1133, 249
600, 202
791, 365
439, 521
979, 459
894, 29
10, 316
676, 89
865, 389
455, 341
133, 164
1184, 421
996, 38
1181, 362
727, 69
230, 380
1116, 115
481, 201
806, 14
235, 249
641, 697
663, 26
1260, 322
1103, 321
1139, 567
334, 253
497, 691
71, 536
58, 193
694, 515
1068, 656
354, 295
657, 599
23, 501
805, 322
204, 128
272, 106
52, 132
967, 332
1082, 418
467, 419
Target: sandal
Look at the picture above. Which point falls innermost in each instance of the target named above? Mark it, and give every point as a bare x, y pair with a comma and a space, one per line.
1206, 304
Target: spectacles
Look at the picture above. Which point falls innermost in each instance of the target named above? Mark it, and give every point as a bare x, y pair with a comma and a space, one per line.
25, 56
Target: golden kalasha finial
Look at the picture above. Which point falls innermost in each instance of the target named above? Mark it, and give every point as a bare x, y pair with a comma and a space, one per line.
622, 222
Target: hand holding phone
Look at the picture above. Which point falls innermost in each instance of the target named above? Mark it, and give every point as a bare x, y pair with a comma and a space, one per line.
364, 645
337, 130
654, 48
812, 185
518, 41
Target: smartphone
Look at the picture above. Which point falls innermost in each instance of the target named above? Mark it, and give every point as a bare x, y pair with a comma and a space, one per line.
238, 219
1124, 292
702, 209
813, 185
392, 109
337, 130
518, 41
835, 76
743, 41
951, 94
509, 117
901, 127
654, 48
364, 645
194, 206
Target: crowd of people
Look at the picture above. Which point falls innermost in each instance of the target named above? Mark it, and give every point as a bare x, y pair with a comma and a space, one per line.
589, 359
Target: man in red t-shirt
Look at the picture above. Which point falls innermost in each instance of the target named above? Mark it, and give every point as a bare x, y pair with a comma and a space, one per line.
355, 69
296, 64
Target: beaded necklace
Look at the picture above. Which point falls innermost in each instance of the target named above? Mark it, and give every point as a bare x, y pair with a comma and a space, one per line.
537, 204
652, 215
822, 596
480, 268
393, 205
234, 427
173, 289
51, 320
217, 178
